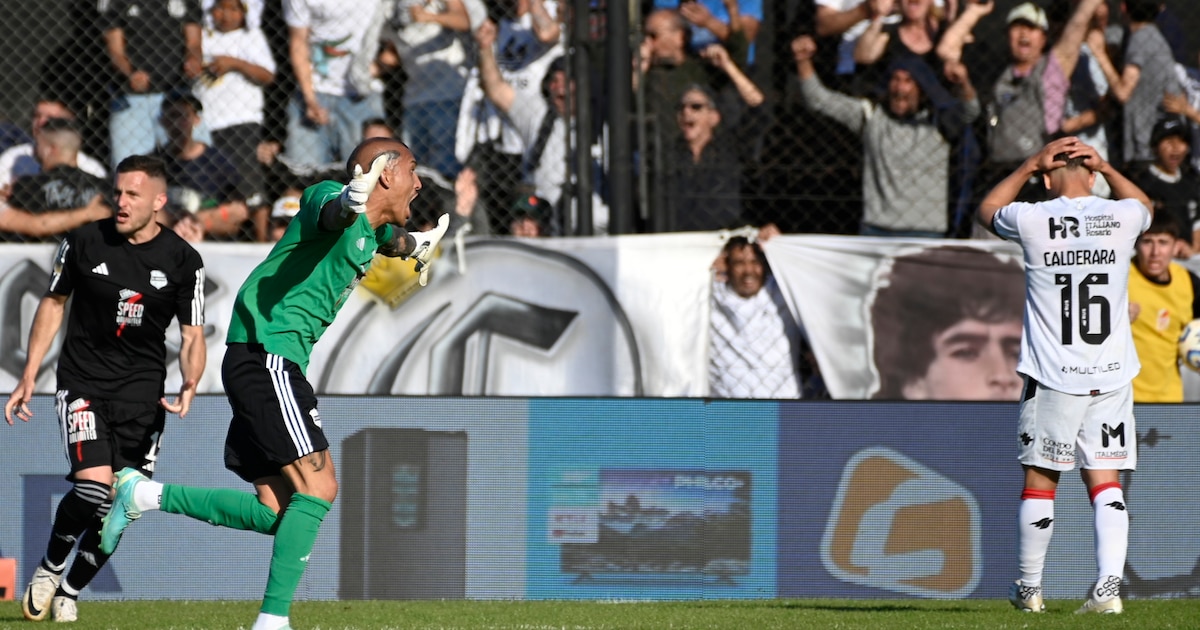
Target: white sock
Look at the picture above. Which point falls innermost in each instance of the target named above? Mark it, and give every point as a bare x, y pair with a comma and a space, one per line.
1035, 527
269, 622
147, 495
1112, 539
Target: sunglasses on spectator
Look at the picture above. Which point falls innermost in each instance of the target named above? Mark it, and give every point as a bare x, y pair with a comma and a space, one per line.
694, 106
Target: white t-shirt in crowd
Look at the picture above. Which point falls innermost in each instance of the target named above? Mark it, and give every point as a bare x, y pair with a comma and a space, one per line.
336, 30
232, 98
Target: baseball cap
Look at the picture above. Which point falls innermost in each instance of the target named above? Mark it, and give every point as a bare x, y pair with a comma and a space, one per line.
531, 206
1029, 13
1170, 126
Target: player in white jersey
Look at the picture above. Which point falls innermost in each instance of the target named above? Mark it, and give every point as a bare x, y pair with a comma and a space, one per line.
1077, 353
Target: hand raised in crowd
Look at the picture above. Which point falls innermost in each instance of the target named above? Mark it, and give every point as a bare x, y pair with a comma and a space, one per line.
485, 35
717, 56
696, 13
466, 192
1096, 41
881, 8
981, 7
956, 73
420, 14
139, 82
1177, 104
768, 232
804, 48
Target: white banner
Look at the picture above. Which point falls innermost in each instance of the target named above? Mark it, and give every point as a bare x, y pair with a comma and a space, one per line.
606, 316
874, 342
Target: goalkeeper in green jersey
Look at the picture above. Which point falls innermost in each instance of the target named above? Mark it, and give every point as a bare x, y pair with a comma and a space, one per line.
275, 439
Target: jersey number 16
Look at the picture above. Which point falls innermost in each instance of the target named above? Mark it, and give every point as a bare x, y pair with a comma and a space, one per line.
1087, 301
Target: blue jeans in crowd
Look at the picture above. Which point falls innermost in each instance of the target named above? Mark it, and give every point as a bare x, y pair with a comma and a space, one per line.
316, 145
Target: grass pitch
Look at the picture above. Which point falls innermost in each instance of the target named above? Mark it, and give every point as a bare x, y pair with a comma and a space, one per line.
577, 615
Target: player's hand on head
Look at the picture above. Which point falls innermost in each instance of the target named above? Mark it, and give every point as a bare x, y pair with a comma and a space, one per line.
1047, 159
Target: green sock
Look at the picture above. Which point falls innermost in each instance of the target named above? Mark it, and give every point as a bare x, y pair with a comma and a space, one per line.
220, 506
293, 543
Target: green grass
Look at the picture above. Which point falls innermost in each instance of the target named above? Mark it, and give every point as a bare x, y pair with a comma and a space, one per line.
576, 615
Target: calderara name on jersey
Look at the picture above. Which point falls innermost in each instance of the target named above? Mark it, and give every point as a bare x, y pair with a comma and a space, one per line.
1080, 257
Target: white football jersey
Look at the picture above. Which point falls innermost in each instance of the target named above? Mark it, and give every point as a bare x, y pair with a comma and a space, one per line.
1077, 337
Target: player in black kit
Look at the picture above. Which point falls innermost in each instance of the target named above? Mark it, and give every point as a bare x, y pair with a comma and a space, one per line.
130, 277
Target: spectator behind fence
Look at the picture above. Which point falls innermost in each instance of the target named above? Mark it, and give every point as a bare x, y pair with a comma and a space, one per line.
1027, 101
1187, 104
716, 22
1088, 107
331, 45
238, 63
906, 140
756, 343
668, 67
703, 175
541, 123
60, 198
846, 20
20, 160
946, 325
528, 215
1163, 298
154, 47
1171, 183
884, 41
424, 37
284, 210
201, 180
526, 40
1147, 75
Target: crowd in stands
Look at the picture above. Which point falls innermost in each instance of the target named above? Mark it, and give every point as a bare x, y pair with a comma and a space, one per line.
891, 118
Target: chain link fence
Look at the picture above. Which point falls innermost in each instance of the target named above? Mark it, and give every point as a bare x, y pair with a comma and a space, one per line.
563, 129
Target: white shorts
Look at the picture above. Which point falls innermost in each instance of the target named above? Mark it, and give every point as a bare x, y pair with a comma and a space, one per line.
1056, 429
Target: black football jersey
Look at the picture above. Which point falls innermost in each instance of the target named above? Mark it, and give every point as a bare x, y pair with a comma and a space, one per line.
123, 298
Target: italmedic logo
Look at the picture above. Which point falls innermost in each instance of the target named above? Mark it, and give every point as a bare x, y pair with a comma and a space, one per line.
899, 526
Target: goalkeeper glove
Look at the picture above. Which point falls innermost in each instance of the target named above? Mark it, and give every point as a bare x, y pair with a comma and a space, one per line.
427, 243
355, 194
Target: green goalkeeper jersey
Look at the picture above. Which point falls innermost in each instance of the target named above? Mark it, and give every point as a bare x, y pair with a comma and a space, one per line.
293, 295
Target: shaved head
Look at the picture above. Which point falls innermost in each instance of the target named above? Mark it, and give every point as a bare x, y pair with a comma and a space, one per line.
366, 152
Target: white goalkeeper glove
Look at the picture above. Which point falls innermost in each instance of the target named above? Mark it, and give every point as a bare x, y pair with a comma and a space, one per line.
354, 195
427, 243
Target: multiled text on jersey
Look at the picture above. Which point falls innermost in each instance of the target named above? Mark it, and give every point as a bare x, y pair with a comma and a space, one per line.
1091, 369
1080, 257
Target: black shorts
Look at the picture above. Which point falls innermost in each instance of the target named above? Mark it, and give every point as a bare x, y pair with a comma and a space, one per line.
275, 420
103, 432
